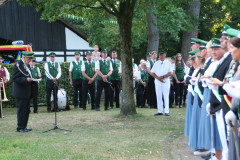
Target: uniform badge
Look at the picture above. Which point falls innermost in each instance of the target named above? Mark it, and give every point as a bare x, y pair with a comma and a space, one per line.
93, 69
36, 74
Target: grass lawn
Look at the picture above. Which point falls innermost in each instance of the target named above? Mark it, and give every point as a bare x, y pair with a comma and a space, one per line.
95, 135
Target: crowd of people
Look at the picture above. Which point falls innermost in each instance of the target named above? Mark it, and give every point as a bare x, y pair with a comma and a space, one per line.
209, 81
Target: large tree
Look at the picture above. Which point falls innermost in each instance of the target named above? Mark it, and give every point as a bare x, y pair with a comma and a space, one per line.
123, 10
193, 10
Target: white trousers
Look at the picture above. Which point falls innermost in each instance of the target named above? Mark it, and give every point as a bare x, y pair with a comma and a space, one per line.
162, 89
222, 133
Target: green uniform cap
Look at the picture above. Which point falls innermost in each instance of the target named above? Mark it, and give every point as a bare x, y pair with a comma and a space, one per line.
215, 43
195, 40
194, 52
230, 31
88, 52
203, 44
173, 57
52, 54
28, 54
77, 52
162, 52
104, 50
148, 54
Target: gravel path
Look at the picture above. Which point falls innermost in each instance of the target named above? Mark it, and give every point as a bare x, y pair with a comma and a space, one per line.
176, 148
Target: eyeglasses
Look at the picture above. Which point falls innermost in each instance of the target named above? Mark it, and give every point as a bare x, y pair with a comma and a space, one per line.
224, 39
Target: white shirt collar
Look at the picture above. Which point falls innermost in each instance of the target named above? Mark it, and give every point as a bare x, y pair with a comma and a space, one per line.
77, 61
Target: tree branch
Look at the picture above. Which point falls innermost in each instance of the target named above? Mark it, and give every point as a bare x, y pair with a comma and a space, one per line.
107, 10
112, 6
85, 6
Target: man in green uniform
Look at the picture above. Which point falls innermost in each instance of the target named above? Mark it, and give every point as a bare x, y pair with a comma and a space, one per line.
75, 76
53, 73
36, 74
88, 82
115, 80
104, 70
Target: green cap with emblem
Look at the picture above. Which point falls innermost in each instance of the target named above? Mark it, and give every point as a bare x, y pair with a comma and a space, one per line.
215, 42
77, 53
52, 54
194, 51
162, 52
104, 50
173, 57
28, 54
230, 31
88, 52
148, 54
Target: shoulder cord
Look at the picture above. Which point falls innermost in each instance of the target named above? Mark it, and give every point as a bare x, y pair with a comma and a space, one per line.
22, 71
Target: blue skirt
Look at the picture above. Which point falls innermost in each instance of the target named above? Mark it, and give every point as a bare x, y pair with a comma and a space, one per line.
188, 114
194, 125
204, 132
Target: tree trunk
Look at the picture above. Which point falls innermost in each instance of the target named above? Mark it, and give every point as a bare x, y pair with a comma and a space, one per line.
194, 11
153, 35
125, 26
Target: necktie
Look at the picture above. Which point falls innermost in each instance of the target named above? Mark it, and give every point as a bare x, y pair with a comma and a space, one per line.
53, 64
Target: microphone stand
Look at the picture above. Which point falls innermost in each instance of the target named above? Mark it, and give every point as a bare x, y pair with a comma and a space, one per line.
56, 87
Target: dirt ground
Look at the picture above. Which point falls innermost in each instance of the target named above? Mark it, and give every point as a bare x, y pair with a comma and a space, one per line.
176, 148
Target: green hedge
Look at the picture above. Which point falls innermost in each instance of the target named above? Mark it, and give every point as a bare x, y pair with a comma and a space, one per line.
64, 83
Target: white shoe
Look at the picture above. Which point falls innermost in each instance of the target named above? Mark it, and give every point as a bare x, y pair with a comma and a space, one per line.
199, 153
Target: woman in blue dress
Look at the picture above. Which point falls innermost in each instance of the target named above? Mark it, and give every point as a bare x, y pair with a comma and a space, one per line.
196, 110
187, 79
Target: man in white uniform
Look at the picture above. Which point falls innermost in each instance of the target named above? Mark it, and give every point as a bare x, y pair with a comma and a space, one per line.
162, 70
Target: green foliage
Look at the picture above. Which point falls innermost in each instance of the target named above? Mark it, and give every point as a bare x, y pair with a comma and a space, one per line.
42, 100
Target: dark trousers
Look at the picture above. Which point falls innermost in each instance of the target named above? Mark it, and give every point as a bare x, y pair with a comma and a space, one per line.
179, 93
100, 86
50, 86
151, 93
85, 88
185, 93
114, 92
171, 96
141, 95
34, 95
23, 110
77, 87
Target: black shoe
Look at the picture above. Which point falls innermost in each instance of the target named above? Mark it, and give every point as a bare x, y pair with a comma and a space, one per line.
167, 114
144, 107
48, 111
107, 109
36, 112
93, 108
23, 130
158, 114
97, 109
117, 107
75, 107
208, 156
84, 109
29, 129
